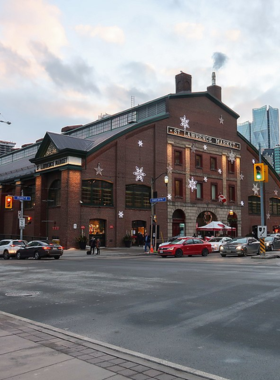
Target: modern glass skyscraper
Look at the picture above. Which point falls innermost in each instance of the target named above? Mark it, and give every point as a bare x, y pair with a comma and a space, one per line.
264, 129
277, 159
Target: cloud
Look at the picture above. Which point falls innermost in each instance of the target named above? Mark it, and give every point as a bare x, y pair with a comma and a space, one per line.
219, 60
77, 75
111, 34
233, 35
12, 63
190, 30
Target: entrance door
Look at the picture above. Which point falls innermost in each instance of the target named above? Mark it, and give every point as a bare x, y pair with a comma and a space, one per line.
97, 228
178, 223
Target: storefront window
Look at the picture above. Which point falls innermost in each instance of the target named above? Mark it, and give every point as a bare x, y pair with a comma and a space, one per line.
97, 192
137, 196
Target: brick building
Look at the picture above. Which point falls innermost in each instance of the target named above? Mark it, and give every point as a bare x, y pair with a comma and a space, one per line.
97, 179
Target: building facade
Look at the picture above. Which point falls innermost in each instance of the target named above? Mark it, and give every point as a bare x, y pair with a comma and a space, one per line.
98, 179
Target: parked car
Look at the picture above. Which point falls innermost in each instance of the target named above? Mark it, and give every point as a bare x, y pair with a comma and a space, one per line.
39, 249
9, 247
216, 242
241, 247
185, 247
171, 240
272, 242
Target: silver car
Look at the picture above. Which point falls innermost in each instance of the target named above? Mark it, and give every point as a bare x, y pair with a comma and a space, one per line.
241, 247
272, 242
216, 242
9, 247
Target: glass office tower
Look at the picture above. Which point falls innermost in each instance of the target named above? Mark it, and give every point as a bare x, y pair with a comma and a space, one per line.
245, 130
265, 127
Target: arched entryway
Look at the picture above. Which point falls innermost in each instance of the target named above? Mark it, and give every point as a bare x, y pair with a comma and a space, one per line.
97, 228
232, 223
178, 223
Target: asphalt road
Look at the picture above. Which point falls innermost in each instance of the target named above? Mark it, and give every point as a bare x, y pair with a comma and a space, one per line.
218, 315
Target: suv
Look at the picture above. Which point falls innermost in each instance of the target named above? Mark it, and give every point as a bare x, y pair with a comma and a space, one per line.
9, 247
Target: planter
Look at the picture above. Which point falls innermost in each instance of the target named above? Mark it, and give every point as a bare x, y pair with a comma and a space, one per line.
82, 245
128, 243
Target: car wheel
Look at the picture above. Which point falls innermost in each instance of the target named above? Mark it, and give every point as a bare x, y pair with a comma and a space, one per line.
205, 252
179, 253
163, 256
37, 256
57, 257
223, 254
18, 256
6, 255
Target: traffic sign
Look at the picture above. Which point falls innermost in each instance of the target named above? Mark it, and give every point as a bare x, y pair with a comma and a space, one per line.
21, 223
262, 232
21, 198
154, 200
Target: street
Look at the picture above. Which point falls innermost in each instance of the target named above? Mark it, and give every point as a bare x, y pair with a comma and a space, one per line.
213, 314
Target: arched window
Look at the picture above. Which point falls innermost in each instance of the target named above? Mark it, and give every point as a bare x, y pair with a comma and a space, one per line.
97, 192
54, 193
137, 196
254, 205
274, 206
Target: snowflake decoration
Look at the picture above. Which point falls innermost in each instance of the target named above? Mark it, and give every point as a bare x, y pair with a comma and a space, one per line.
139, 174
255, 189
253, 161
169, 169
205, 179
140, 143
192, 184
231, 157
220, 171
169, 197
193, 148
242, 203
184, 123
241, 177
205, 147
268, 215
276, 192
120, 214
98, 169
221, 119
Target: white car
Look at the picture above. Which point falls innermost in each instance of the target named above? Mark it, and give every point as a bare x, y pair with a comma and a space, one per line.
9, 247
216, 242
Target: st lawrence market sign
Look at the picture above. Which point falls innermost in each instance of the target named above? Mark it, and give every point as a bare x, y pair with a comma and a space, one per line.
203, 138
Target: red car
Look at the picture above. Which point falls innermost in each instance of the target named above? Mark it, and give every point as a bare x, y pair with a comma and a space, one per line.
186, 247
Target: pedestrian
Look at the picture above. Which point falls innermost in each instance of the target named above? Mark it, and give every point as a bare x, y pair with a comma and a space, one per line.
98, 243
92, 245
147, 241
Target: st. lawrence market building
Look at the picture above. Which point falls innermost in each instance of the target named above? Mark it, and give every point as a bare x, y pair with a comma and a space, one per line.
98, 179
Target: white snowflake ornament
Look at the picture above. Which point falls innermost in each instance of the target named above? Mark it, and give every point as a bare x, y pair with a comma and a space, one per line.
205, 179
220, 171
241, 177
205, 147
120, 214
193, 148
169, 197
231, 157
275, 192
184, 123
140, 143
139, 174
221, 119
169, 169
242, 203
268, 215
192, 184
98, 169
255, 189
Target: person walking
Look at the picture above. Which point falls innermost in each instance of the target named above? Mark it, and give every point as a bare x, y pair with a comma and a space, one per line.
92, 245
147, 241
98, 243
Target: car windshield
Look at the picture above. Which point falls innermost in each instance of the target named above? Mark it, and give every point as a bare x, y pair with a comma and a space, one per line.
179, 241
269, 238
18, 243
215, 240
238, 240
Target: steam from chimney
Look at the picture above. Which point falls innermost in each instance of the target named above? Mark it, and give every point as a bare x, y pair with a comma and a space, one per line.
219, 60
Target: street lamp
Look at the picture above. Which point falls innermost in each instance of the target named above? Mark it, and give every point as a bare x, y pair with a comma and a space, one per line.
153, 180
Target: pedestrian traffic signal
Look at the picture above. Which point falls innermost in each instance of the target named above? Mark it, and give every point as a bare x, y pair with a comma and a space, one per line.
260, 172
29, 220
8, 201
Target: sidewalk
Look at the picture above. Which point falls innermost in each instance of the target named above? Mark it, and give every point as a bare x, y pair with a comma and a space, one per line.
104, 251
31, 350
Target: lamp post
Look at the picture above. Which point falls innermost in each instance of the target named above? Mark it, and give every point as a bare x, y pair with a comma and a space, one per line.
153, 180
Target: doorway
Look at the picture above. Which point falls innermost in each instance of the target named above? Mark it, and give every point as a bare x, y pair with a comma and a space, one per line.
97, 228
178, 223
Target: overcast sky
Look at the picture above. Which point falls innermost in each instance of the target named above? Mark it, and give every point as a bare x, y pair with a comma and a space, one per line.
65, 62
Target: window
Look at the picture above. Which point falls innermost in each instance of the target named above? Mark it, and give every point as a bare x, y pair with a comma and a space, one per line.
137, 196
254, 205
213, 163
97, 192
198, 161
178, 184
214, 192
231, 193
231, 167
29, 192
199, 190
54, 193
274, 206
178, 157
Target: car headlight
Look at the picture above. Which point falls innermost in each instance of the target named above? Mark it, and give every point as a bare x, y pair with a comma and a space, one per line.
268, 244
239, 247
221, 248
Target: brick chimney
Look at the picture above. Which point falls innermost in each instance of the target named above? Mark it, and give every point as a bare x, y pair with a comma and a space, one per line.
183, 82
215, 90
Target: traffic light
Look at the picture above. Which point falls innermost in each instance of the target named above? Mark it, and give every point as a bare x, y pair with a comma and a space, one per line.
8, 201
29, 220
259, 172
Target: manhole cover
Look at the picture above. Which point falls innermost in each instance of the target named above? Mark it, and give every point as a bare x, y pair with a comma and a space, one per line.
21, 294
